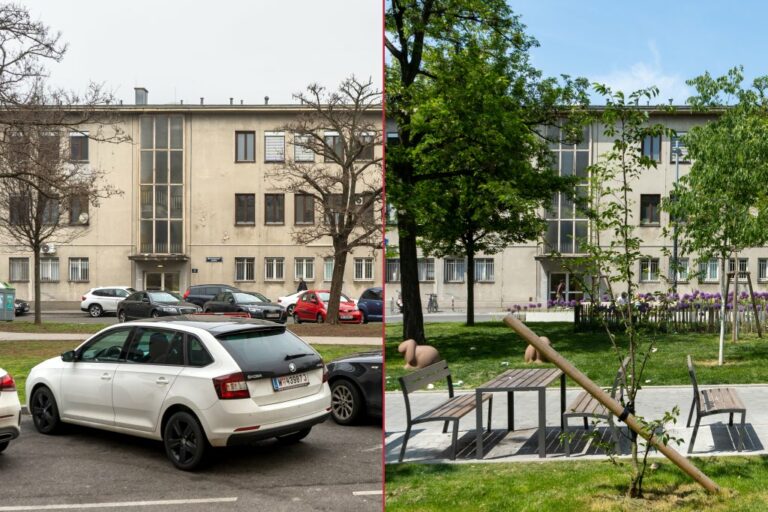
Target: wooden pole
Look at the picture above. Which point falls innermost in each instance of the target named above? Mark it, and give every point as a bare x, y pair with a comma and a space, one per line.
611, 404
754, 305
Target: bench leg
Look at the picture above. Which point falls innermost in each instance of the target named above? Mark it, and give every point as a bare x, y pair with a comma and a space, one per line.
490, 410
586, 424
542, 423
566, 439
510, 411
405, 442
445, 427
730, 420
743, 432
690, 414
454, 439
695, 431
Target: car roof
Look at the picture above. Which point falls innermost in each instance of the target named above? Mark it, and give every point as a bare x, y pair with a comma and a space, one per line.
207, 285
215, 324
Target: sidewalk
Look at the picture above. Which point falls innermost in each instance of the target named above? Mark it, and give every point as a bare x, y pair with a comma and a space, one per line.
427, 443
313, 340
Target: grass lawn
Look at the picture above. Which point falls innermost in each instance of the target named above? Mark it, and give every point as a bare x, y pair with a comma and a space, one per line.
476, 354
18, 357
52, 327
566, 486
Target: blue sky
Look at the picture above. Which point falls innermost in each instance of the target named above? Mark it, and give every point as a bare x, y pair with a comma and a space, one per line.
629, 45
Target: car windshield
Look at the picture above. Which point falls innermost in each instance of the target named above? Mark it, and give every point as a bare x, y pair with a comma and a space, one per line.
164, 297
246, 298
326, 296
267, 350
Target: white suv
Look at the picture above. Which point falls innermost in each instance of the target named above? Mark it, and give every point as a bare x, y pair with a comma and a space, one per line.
104, 299
10, 410
191, 381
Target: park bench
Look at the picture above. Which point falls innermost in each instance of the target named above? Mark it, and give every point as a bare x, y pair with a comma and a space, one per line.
707, 402
587, 406
453, 409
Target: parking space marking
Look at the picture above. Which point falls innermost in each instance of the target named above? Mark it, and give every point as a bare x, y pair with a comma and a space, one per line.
361, 493
115, 504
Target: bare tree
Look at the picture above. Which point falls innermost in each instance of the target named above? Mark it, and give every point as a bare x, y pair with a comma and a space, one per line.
334, 168
46, 198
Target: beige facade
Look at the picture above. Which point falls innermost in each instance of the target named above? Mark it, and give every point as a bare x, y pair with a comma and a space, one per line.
525, 274
182, 227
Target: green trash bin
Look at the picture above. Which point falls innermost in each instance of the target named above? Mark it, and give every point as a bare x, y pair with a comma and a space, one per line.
7, 299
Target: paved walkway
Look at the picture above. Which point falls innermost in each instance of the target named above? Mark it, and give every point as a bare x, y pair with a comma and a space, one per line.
427, 443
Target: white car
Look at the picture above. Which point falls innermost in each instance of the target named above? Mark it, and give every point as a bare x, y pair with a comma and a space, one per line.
193, 382
289, 301
10, 410
104, 299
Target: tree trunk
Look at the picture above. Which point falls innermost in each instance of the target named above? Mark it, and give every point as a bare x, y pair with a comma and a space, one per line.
413, 319
38, 305
723, 300
339, 264
470, 248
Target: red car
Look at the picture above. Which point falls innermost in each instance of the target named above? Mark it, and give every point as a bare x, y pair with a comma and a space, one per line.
312, 304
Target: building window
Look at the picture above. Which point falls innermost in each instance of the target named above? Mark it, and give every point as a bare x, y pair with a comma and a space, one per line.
762, 269
328, 269
454, 270
426, 270
649, 210
676, 145
682, 269
304, 268
161, 192
78, 210
245, 209
273, 269
366, 149
709, 271
19, 270
743, 268
304, 209
651, 147
49, 270
274, 208
484, 270
244, 147
649, 270
363, 269
78, 146
301, 149
51, 212
334, 150
19, 207
393, 270
78, 269
244, 269
274, 147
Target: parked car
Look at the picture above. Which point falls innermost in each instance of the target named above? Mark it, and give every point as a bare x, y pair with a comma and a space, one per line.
312, 306
256, 307
289, 301
371, 305
146, 304
192, 383
22, 307
356, 386
104, 299
199, 294
10, 410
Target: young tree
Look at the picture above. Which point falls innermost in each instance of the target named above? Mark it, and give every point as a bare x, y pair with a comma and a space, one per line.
336, 169
721, 206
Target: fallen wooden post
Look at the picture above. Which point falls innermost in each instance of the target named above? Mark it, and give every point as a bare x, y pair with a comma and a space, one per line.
612, 405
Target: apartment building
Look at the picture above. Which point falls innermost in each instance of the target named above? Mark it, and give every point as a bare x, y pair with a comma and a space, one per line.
528, 273
199, 204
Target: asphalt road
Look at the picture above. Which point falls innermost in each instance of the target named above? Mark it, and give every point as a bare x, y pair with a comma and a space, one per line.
335, 468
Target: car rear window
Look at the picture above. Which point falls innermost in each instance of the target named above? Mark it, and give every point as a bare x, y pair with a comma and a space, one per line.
268, 351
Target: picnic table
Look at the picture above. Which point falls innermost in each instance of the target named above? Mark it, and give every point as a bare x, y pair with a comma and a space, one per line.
521, 379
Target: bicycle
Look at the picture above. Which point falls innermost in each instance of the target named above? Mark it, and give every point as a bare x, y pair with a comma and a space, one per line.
432, 303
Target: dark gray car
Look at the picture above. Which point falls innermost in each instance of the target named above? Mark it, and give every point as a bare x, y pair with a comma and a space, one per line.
356, 386
153, 304
256, 305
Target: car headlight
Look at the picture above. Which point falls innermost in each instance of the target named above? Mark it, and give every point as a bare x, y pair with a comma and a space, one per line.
198, 309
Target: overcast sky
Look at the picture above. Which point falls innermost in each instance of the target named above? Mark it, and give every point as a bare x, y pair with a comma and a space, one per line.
182, 50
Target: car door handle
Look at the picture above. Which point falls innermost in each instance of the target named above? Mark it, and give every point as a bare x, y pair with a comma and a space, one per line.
161, 380
106, 376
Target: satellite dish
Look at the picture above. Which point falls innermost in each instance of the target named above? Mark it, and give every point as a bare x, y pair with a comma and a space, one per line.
83, 218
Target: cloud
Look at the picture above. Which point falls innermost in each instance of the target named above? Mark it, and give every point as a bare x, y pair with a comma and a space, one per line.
641, 75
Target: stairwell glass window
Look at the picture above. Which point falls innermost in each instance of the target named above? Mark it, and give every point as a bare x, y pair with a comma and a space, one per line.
273, 269
18, 270
682, 269
274, 147
78, 270
484, 270
245, 146
78, 146
244, 269
651, 147
426, 270
743, 268
304, 268
762, 269
51, 213
649, 270
454, 270
709, 271
328, 269
363, 269
334, 147
393, 270
677, 143
366, 146
650, 213
49, 270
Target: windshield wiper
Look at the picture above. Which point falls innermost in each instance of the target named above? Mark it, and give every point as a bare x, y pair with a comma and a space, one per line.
296, 356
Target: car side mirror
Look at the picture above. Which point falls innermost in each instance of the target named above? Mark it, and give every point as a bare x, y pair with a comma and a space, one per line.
68, 356
231, 301
145, 299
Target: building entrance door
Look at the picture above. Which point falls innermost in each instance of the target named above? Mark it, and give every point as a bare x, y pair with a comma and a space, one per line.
564, 286
168, 281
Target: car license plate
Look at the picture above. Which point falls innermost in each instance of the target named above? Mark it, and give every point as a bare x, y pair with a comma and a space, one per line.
273, 315
345, 317
290, 381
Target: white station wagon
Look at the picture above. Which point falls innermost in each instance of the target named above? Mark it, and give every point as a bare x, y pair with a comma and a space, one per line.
193, 382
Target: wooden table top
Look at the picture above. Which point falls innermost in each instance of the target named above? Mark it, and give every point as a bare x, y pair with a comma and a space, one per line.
521, 379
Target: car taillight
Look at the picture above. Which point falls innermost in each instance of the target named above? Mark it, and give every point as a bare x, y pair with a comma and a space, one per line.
231, 386
7, 383
82, 298
325, 373
186, 294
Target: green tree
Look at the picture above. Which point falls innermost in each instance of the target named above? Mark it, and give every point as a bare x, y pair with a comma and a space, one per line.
721, 206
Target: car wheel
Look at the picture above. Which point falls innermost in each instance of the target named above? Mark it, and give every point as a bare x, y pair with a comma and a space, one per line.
45, 412
95, 310
319, 318
121, 315
346, 402
290, 309
294, 437
296, 319
363, 317
4, 445
185, 442
155, 314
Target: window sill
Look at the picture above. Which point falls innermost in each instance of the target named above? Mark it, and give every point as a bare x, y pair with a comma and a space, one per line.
245, 161
274, 223
650, 224
363, 280
245, 224
304, 224
274, 280
245, 280
657, 281
274, 161
304, 161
